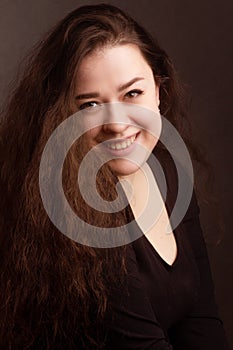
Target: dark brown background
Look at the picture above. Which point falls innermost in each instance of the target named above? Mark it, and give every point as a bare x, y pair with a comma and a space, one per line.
198, 37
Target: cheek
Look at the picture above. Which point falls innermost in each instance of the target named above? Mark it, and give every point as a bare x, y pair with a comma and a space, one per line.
153, 96
153, 101
150, 140
91, 136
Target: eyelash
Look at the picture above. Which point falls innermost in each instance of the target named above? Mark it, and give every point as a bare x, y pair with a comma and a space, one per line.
87, 105
137, 91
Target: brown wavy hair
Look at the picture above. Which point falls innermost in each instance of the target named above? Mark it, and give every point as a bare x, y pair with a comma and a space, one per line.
54, 291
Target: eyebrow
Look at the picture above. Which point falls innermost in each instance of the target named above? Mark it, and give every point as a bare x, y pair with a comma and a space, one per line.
131, 82
96, 94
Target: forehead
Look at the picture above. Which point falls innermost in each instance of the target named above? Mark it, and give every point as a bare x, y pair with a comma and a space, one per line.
112, 65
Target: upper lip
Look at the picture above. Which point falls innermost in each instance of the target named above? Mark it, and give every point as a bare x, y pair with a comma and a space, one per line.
121, 139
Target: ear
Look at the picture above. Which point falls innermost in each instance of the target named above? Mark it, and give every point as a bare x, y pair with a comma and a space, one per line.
157, 94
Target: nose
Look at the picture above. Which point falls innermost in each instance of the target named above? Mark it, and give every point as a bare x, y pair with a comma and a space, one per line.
115, 120
116, 128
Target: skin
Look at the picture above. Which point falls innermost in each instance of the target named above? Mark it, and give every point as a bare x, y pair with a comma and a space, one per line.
121, 74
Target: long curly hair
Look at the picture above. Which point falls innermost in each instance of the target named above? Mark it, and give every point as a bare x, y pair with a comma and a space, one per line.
55, 291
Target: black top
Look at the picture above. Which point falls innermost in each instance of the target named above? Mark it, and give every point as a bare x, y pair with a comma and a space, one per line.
163, 306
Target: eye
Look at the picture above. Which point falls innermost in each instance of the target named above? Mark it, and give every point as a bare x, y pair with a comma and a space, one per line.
89, 105
134, 93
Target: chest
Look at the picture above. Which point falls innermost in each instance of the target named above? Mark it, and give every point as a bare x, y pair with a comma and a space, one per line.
151, 215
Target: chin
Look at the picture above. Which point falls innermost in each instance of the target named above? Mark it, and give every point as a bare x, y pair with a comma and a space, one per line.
123, 167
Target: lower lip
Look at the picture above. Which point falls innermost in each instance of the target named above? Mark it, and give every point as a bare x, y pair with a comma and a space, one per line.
122, 152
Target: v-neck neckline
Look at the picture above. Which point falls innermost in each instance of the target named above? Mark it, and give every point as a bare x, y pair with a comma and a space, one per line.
167, 204
156, 253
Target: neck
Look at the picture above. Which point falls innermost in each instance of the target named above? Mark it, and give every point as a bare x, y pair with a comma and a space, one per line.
136, 189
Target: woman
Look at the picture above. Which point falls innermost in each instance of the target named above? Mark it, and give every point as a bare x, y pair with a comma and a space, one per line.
153, 293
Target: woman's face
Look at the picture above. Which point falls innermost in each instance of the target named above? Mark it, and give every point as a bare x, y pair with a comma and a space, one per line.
117, 74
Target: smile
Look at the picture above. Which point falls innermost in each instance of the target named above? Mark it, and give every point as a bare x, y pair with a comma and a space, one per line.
119, 145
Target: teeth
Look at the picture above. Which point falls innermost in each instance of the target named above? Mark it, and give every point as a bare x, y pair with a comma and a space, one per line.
122, 145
